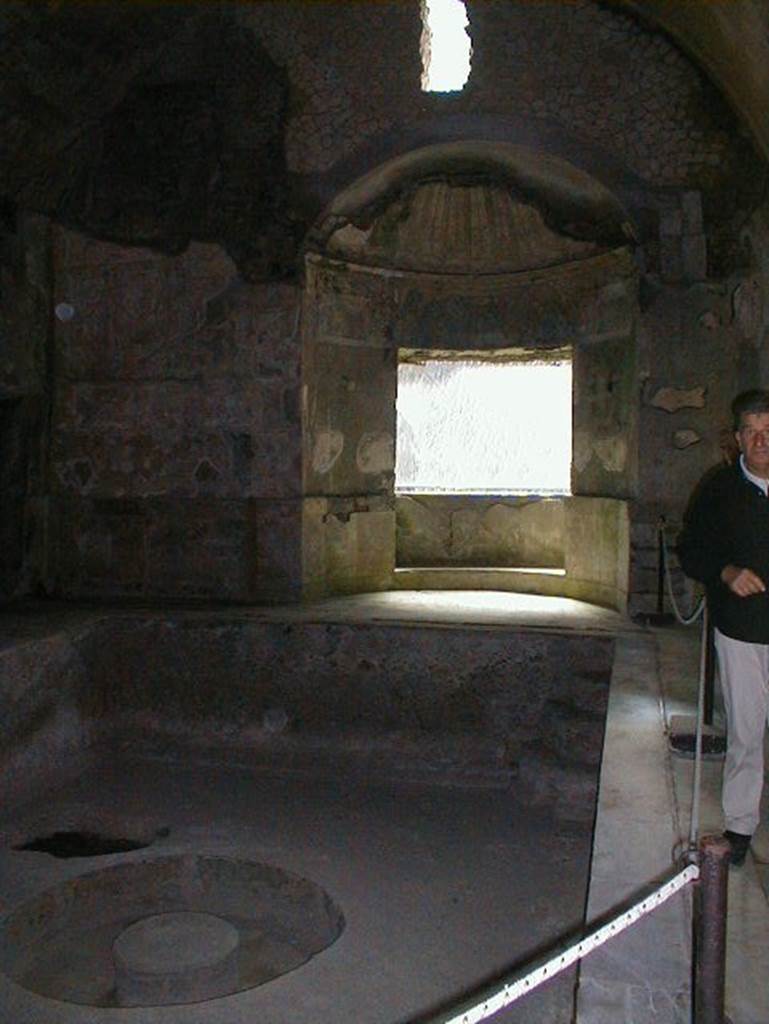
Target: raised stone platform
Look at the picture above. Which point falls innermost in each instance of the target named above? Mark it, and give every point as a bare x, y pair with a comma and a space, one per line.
484, 689
180, 957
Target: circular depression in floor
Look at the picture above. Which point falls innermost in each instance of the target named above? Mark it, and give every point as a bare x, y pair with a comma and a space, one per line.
169, 930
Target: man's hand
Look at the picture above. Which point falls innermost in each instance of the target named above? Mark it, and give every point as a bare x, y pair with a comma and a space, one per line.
742, 582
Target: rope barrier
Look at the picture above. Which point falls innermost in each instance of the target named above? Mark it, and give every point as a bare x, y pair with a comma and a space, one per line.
687, 620
513, 991
684, 619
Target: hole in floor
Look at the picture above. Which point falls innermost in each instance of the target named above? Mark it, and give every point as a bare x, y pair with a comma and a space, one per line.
222, 926
85, 844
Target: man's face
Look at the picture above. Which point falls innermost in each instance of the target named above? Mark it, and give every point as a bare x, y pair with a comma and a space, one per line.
753, 439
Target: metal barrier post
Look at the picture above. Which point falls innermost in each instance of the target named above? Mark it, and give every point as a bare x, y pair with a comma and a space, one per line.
660, 617
709, 942
710, 673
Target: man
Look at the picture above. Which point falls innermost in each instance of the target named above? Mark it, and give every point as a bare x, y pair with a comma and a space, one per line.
725, 545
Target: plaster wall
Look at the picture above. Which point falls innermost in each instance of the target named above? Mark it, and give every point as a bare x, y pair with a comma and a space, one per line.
25, 293
750, 300
475, 530
595, 558
347, 545
173, 463
700, 343
355, 320
349, 381
597, 551
175, 450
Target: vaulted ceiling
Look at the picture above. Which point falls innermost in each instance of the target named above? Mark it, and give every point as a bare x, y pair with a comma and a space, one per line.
730, 42
111, 114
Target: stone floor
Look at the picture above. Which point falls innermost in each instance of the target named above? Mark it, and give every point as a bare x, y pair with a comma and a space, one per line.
643, 824
443, 889
440, 888
747, 994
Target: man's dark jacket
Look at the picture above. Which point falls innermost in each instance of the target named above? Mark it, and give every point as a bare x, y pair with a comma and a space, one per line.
728, 523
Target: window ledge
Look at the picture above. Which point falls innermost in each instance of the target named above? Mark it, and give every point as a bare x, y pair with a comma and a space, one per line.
466, 570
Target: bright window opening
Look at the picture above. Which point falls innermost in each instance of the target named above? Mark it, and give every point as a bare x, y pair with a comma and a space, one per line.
446, 46
481, 427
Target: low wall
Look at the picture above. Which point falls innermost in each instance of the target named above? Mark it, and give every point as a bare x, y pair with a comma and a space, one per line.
477, 530
580, 545
50, 705
490, 706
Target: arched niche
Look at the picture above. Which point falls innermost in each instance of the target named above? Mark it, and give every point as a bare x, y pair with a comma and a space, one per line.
466, 247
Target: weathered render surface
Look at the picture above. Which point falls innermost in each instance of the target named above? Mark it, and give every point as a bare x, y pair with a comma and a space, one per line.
594, 539
50, 704
220, 224
475, 530
205, 188
25, 304
175, 445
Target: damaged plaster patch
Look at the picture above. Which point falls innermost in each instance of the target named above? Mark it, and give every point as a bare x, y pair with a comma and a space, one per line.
375, 453
327, 449
709, 320
685, 438
748, 308
350, 239
275, 720
76, 473
206, 472
673, 399
581, 450
611, 453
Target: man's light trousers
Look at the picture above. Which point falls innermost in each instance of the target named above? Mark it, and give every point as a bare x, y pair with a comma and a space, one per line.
744, 672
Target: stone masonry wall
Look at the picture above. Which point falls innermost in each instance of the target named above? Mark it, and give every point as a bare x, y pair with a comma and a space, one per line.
175, 447
492, 707
702, 340
238, 122
25, 288
579, 67
175, 459
481, 706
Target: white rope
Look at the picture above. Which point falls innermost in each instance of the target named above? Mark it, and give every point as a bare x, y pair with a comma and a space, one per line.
683, 618
512, 992
700, 609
